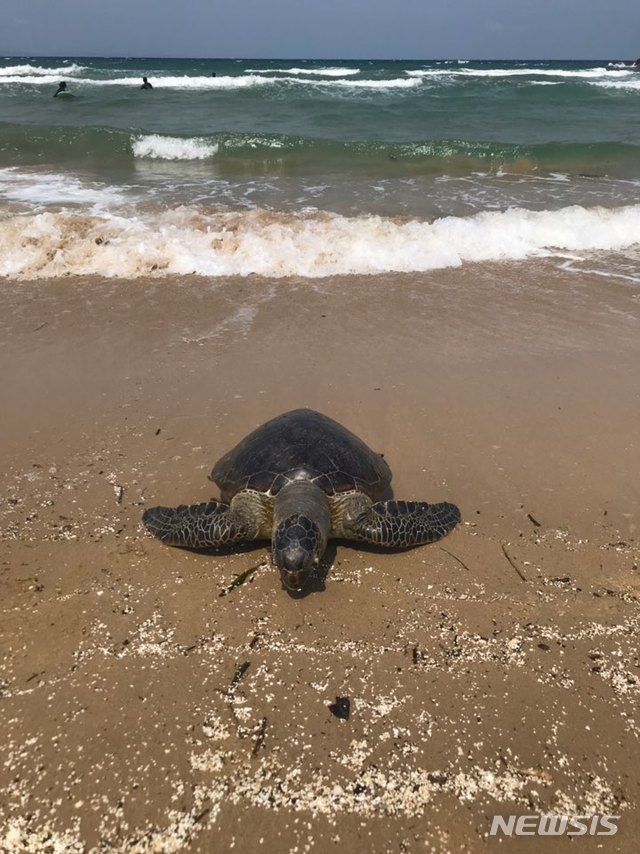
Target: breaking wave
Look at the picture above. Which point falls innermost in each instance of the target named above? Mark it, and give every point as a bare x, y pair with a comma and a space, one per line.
173, 147
323, 72
36, 71
193, 241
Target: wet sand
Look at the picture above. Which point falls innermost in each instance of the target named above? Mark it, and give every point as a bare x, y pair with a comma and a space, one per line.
493, 673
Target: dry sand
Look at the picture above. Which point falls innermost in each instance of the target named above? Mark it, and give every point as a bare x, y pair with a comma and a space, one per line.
495, 672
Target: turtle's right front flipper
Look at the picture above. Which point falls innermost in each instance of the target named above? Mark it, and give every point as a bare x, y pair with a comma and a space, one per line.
197, 526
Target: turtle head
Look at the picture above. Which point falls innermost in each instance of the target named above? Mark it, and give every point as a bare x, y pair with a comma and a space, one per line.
297, 548
301, 530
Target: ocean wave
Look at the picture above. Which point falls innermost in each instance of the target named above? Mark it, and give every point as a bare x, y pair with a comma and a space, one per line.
167, 82
394, 83
582, 74
192, 241
585, 73
223, 82
173, 147
186, 82
324, 72
430, 72
44, 80
24, 145
249, 80
628, 85
20, 71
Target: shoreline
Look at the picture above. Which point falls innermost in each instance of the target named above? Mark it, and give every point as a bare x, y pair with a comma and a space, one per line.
494, 672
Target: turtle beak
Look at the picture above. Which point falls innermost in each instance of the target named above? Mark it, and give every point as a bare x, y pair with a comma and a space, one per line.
296, 567
293, 551
294, 581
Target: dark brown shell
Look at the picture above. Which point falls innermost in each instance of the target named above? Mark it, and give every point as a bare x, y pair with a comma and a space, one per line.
301, 445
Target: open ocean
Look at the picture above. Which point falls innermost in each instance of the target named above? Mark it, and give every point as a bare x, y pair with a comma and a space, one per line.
311, 168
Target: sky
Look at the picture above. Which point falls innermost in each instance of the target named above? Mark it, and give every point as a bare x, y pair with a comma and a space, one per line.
338, 29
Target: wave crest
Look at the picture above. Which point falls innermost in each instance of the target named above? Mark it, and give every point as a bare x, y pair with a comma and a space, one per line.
19, 71
173, 147
188, 241
323, 72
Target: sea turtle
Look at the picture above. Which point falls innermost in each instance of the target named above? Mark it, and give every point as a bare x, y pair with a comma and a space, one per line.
299, 480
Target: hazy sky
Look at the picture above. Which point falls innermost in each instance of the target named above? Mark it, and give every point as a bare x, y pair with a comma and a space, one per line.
403, 29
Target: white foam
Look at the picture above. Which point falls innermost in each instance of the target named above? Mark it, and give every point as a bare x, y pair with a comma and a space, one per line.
41, 189
631, 84
182, 82
17, 71
396, 83
43, 80
585, 73
324, 72
336, 83
189, 241
173, 147
245, 81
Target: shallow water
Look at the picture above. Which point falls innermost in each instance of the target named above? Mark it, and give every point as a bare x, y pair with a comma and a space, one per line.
313, 168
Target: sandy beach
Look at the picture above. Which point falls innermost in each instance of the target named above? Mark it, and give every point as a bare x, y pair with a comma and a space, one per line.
493, 673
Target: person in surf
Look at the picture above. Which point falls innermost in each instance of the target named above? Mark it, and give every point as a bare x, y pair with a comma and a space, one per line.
146, 84
62, 87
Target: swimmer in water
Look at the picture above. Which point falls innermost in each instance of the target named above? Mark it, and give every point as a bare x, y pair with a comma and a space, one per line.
146, 84
62, 87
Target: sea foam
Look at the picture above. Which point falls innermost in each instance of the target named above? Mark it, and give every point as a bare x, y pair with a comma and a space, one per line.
173, 147
323, 72
630, 84
394, 83
189, 240
533, 71
241, 81
38, 190
19, 71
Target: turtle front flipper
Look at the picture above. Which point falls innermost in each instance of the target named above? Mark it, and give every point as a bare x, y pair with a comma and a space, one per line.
402, 524
198, 526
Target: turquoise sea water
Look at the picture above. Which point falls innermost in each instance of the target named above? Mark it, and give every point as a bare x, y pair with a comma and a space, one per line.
420, 164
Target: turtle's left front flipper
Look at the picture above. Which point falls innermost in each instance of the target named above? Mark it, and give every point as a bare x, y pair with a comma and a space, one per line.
197, 526
401, 524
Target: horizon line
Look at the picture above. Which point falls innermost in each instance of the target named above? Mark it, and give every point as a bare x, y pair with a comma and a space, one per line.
303, 59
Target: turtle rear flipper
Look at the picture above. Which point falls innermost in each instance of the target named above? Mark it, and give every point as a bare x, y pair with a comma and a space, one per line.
197, 526
402, 524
